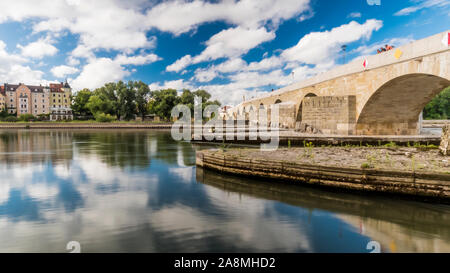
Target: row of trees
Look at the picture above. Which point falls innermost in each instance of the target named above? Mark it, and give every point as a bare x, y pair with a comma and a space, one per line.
125, 101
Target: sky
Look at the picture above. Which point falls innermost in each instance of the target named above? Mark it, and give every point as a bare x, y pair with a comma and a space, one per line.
232, 49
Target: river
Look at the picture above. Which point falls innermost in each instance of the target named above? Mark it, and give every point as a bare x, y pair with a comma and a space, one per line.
139, 191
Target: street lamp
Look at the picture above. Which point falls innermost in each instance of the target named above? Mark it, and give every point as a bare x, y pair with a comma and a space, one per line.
344, 48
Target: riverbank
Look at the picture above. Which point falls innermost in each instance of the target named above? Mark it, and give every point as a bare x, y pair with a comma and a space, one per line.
84, 125
416, 172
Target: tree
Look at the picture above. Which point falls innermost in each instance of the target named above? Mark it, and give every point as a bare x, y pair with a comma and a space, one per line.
108, 94
142, 93
79, 103
162, 102
439, 107
126, 97
187, 98
97, 105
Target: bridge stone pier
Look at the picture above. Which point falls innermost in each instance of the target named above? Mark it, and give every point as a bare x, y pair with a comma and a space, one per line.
385, 97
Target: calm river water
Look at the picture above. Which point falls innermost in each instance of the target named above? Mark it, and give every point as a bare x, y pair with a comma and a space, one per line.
139, 191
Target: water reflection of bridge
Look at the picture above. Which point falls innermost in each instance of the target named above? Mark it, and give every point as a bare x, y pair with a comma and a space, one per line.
398, 225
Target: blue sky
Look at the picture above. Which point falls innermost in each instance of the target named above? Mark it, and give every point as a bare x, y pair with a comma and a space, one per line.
230, 48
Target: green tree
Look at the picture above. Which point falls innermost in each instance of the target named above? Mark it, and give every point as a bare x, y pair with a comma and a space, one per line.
126, 97
142, 94
79, 103
187, 98
108, 94
97, 105
162, 102
439, 107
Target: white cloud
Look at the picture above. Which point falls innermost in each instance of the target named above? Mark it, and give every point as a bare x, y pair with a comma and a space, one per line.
266, 63
38, 49
98, 72
72, 61
422, 4
233, 42
228, 43
237, 65
137, 60
63, 70
14, 70
354, 15
180, 64
205, 75
19, 73
321, 47
182, 16
175, 84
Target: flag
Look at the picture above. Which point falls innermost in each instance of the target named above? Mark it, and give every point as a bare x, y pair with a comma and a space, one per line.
365, 63
398, 53
446, 39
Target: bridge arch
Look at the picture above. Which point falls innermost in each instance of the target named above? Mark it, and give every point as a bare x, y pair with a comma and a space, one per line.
394, 108
300, 108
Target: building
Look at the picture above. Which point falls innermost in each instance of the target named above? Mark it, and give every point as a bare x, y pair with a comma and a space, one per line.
60, 101
54, 100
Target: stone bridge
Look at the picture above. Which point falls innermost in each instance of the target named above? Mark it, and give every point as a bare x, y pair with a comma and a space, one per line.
382, 94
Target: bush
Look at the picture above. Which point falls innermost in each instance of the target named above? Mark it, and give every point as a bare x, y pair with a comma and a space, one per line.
26, 117
102, 117
11, 119
43, 117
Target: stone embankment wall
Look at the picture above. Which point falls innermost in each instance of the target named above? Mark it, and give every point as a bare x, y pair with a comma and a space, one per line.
418, 184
